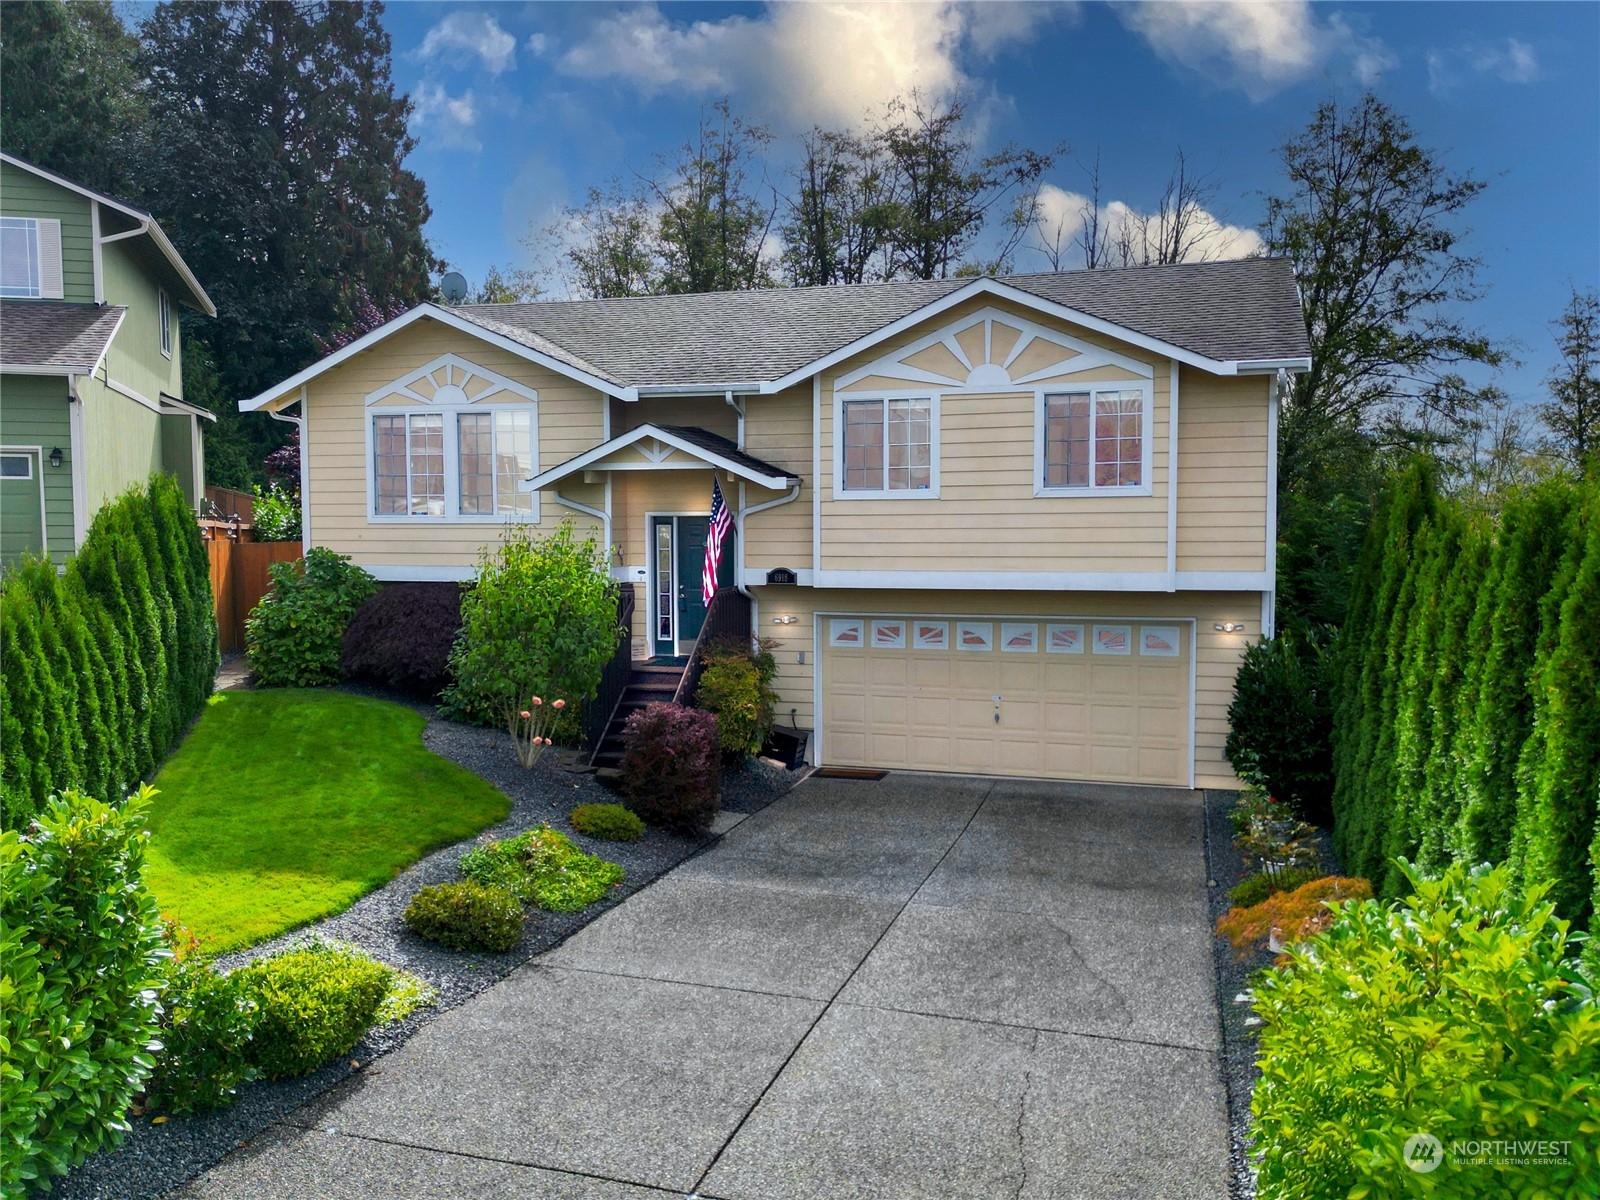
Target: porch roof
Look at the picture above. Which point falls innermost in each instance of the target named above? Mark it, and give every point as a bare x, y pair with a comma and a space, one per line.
668, 448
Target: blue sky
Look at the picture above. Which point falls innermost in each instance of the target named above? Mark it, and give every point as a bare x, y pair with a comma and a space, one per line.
520, 107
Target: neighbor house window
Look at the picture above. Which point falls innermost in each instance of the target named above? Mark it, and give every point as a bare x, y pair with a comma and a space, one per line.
164, 315
1094, 439
19, 258
888, 445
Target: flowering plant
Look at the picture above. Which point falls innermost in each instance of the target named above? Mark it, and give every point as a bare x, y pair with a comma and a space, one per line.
530, 729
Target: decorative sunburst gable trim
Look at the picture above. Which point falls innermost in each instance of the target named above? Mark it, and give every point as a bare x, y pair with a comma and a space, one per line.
990, 350
451, 381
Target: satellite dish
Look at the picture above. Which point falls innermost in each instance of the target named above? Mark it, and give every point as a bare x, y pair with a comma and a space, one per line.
454, 287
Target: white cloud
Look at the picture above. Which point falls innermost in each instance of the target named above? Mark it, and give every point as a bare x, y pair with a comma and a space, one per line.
444, 121
1063, 215
1513, 61
463, 36
1257, 47
799, 64
538, 43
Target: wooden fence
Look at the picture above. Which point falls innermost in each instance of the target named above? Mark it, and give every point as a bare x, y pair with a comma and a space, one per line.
239, 580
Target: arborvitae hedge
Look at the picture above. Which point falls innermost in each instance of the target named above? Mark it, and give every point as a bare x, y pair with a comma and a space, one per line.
107, 662
1466, 724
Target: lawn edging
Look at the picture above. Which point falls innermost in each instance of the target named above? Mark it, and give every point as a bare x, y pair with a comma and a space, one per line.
156, 1158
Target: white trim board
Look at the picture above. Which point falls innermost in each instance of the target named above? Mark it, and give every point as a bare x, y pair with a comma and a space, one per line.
1047, 581
704, 459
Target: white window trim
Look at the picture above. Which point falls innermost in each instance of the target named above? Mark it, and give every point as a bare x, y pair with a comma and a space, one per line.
164, 321
32, 224
931, 492
526, 399
1146, 440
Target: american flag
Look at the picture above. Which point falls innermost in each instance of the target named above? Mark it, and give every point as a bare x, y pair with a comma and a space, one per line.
721, 522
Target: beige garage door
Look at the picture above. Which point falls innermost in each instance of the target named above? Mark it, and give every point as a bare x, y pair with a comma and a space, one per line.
1059, 699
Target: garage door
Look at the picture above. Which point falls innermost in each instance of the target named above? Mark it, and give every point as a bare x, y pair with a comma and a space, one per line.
1059, 699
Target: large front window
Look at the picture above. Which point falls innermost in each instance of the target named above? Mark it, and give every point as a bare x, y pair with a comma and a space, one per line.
453, 465
19, 257
888, 445
1094, 439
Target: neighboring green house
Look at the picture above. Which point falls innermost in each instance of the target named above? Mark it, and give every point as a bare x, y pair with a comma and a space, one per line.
91, 373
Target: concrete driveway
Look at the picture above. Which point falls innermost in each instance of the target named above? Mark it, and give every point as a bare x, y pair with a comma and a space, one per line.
922, 987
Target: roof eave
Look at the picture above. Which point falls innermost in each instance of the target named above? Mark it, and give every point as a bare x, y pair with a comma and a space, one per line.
711, 458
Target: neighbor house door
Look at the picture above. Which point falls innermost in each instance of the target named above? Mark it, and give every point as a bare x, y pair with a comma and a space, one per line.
21, 505
678, 555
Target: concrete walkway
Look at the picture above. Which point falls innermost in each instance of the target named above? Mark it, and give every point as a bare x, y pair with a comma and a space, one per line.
920, 987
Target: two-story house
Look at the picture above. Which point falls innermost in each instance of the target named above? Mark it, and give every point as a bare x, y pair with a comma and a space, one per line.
1018, 525
91, 367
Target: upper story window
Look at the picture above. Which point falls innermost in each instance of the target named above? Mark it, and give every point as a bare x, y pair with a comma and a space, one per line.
452, 441
30, 258
1094, 439
888, 446
164, 315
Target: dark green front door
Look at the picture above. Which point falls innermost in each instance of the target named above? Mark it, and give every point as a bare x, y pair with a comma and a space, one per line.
678, 546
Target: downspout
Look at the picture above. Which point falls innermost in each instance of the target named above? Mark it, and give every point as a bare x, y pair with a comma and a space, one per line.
738, 574
80, 480
738, 407
598, 514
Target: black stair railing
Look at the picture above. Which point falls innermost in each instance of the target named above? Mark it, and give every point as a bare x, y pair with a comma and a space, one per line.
597, 713
727, 617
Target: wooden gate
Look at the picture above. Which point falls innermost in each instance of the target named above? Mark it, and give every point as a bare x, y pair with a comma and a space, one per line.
239, 580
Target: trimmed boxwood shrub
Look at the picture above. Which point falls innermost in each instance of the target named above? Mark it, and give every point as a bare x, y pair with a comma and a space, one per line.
543, 868
293, 636
608, 822
81, 967
207, 1019
466, 916
672, 767
1281, 721
313, 1004
736, 685
1456, 1013
401, 637
107, 663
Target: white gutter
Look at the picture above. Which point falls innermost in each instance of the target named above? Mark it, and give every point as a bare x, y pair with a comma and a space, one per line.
598, 514
305, 468
737, 407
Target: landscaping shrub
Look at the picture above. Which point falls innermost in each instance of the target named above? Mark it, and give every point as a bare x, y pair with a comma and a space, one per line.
1455, 1013
277, 514
293, 636
313, 1005
540, 620
1289, 916
1253, 889
1281, 721
672, 767
106, 663
81, 965
543, 868
466, 916
207, 1019
736, 685
608, 822
401, 637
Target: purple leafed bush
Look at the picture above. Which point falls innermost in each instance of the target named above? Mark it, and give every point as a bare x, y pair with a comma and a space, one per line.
401, 637
672, 767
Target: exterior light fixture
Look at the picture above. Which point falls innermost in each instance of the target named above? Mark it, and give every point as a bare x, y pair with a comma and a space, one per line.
55, 457
1229, 626
785, 620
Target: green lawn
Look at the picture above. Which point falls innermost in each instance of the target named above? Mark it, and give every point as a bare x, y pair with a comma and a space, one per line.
287, 805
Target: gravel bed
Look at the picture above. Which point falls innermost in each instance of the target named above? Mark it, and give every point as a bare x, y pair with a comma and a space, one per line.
1225, 869
154, 1159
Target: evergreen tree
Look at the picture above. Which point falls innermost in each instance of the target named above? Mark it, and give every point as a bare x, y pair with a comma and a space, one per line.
97, 565
1558, 771
1531, 544
1455, 651
1573, 412
280, 174
73, 101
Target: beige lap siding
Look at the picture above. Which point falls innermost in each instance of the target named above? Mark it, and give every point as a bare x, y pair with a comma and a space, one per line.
1216, 658
1222, 472
570, 421
778, 431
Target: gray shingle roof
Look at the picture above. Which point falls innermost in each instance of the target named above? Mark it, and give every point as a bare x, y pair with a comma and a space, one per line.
1245, 309
717, 444
45, 333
